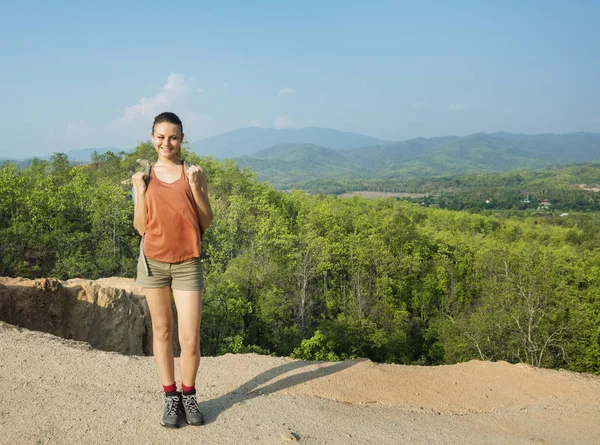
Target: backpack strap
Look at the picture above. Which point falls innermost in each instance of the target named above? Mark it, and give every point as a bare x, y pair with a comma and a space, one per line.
147, 173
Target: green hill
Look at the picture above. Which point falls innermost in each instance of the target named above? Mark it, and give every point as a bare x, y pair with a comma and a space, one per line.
294, 165
480, 152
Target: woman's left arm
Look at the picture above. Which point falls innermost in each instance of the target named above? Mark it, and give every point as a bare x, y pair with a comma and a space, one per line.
199, 185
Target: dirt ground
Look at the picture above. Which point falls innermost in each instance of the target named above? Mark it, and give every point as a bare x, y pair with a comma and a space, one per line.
56, 391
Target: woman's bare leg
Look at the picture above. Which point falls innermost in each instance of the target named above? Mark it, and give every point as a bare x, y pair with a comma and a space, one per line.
159, 303
189, 316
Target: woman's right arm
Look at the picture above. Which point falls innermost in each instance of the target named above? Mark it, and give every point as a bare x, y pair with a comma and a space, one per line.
139, 193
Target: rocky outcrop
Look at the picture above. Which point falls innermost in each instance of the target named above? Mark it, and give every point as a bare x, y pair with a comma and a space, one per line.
110, 314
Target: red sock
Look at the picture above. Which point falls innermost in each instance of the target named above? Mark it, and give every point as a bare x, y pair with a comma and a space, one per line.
188, 389
170, 388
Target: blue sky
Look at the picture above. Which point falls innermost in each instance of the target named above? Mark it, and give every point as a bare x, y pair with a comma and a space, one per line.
78, 75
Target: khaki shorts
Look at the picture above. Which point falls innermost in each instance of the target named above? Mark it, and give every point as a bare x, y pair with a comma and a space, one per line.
186, 275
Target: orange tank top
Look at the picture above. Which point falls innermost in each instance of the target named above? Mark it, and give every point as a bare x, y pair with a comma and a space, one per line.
172, 229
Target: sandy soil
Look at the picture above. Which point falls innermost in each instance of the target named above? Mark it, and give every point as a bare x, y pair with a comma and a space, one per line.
55, 391
589, 188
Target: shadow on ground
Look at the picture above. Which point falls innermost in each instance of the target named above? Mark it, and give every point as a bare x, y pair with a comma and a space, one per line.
253, 388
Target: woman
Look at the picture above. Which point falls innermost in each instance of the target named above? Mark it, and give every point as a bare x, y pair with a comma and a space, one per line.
172, 210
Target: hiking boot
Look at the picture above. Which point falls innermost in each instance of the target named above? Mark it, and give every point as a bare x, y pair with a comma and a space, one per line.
193, 415
173, 411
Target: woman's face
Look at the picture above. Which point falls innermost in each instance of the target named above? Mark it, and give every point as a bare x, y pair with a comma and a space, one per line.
167, 140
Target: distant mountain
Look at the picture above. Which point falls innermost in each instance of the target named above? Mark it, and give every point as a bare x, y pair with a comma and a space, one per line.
289, 165
293, 163
477, 152
248, 141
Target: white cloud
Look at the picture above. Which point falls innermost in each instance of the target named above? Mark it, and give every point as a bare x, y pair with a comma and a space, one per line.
253, 123
171, 94
284, 122
286, 92
458, 107
418, 104
178, 94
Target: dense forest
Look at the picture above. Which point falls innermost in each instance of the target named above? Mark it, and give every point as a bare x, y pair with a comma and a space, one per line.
324, 278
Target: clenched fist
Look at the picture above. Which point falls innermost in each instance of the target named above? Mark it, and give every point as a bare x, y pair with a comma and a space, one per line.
196, 176
139, 182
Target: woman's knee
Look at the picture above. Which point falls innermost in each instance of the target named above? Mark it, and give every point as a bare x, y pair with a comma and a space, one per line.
162, 331
189, 342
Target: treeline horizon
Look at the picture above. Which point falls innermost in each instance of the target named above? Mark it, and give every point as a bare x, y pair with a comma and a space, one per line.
324, 278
